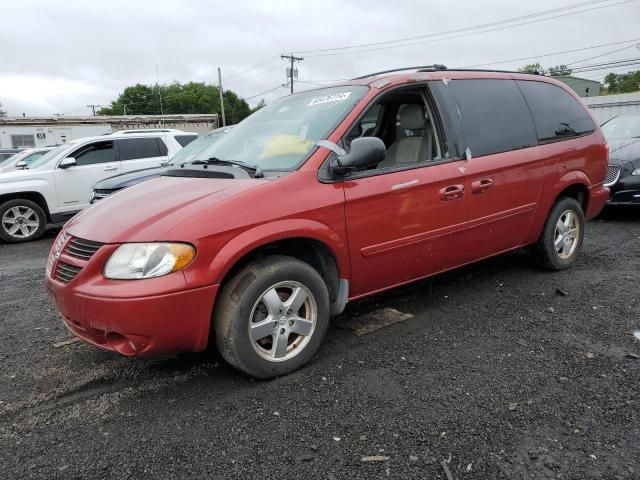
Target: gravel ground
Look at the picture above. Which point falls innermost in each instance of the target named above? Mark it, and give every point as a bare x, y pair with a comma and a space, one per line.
498, 373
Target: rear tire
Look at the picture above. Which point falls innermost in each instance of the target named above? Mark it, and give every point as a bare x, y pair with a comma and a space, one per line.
561, 239
272, 316
21, 220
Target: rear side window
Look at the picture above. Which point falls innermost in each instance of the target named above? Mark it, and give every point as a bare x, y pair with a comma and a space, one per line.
163, 147
134, 148
556, 113
185, 140
494, 116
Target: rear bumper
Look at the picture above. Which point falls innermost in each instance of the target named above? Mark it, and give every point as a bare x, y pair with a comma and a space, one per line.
167, 323
598, 197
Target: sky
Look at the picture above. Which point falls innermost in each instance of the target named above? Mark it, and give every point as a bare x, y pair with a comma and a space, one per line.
59, 56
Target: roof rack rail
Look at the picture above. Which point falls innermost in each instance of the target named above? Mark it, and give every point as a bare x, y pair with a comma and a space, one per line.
421, 68
530, 72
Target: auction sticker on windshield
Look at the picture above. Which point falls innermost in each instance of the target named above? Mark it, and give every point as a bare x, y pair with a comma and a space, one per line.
336, 97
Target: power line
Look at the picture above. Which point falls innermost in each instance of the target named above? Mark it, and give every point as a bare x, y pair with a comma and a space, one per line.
242, 79
462, 29
463, 34
602, 55
551, 54
262, 93
252, 67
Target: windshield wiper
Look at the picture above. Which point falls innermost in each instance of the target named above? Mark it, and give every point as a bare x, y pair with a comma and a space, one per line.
253, 169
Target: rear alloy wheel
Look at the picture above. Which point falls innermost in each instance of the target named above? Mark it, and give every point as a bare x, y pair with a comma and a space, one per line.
21, 221
272, 316
561, 240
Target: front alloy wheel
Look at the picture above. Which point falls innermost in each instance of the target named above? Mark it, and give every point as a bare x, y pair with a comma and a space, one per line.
282, 321
21, 221
272, 316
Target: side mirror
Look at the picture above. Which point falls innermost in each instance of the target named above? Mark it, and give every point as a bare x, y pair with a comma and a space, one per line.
21, 165
67, 162
365, 152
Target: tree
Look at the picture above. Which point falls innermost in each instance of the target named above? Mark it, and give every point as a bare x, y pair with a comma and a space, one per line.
177, 98
533, 68
260, 104
2, 112
558, 70
622, 82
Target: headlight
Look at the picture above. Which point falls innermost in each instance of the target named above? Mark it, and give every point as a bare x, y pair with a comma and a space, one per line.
147, 260
636, 172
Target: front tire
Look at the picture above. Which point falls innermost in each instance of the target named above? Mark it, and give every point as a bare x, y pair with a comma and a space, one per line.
21, 220
561, 239
272, 316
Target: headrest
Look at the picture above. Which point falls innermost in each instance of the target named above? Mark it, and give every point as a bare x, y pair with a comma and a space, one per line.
412, 117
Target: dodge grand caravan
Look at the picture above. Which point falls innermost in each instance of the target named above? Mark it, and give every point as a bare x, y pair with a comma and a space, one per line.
325, 197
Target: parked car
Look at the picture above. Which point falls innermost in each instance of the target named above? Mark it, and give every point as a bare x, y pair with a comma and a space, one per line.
325, 197
57, 185
623, 175
110, 185
23, 159
7, 153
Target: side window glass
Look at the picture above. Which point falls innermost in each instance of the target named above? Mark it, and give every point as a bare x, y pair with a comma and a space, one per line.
185, 140
100, 152
493, 116
556, 113
137, 148
406, 123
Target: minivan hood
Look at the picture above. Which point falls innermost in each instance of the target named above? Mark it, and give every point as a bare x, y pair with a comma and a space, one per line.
147, 211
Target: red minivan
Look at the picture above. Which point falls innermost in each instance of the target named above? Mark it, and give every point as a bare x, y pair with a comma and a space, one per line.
324, 197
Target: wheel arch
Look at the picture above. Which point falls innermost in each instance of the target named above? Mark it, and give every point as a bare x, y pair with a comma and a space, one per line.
308, 241
35, 197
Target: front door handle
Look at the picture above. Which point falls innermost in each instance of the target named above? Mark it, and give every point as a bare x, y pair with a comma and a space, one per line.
452, 192
110, 168
481, 186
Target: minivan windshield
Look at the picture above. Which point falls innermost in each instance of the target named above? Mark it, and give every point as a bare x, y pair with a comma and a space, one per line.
624, 126
280, 136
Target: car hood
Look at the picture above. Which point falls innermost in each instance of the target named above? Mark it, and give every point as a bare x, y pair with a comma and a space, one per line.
624, 151
148, 211
18, 175
128, 179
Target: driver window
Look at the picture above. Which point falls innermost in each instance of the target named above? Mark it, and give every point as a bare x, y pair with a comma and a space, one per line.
403, 120
99, 152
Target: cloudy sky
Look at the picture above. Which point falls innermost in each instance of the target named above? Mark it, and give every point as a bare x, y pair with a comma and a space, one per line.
59, 56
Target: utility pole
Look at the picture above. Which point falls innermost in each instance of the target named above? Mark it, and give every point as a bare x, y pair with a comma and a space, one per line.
292, 59
224, 121
159, 94
93, 108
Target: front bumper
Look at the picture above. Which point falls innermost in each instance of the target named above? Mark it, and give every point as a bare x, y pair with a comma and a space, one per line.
626, 191
137, 317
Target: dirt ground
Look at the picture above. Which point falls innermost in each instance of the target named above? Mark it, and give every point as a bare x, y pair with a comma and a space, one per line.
505, 371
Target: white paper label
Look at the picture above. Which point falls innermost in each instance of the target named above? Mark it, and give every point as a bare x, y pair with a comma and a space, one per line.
336, 97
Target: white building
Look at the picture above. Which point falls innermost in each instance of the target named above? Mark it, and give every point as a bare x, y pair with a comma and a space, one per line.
18, 132
608, 106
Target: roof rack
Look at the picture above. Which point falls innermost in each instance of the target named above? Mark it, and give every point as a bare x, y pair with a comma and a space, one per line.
422, 68
438, 67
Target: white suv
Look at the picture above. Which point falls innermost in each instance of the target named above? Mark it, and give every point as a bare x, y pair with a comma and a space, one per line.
58, 185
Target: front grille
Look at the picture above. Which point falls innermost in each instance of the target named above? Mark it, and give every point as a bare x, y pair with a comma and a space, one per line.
65, 272
80, 248
613, 174
100, 194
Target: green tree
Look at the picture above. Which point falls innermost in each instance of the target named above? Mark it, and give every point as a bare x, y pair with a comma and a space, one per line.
533, 68
622, 82
2, 112
559, 70
177, 98
260, 104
